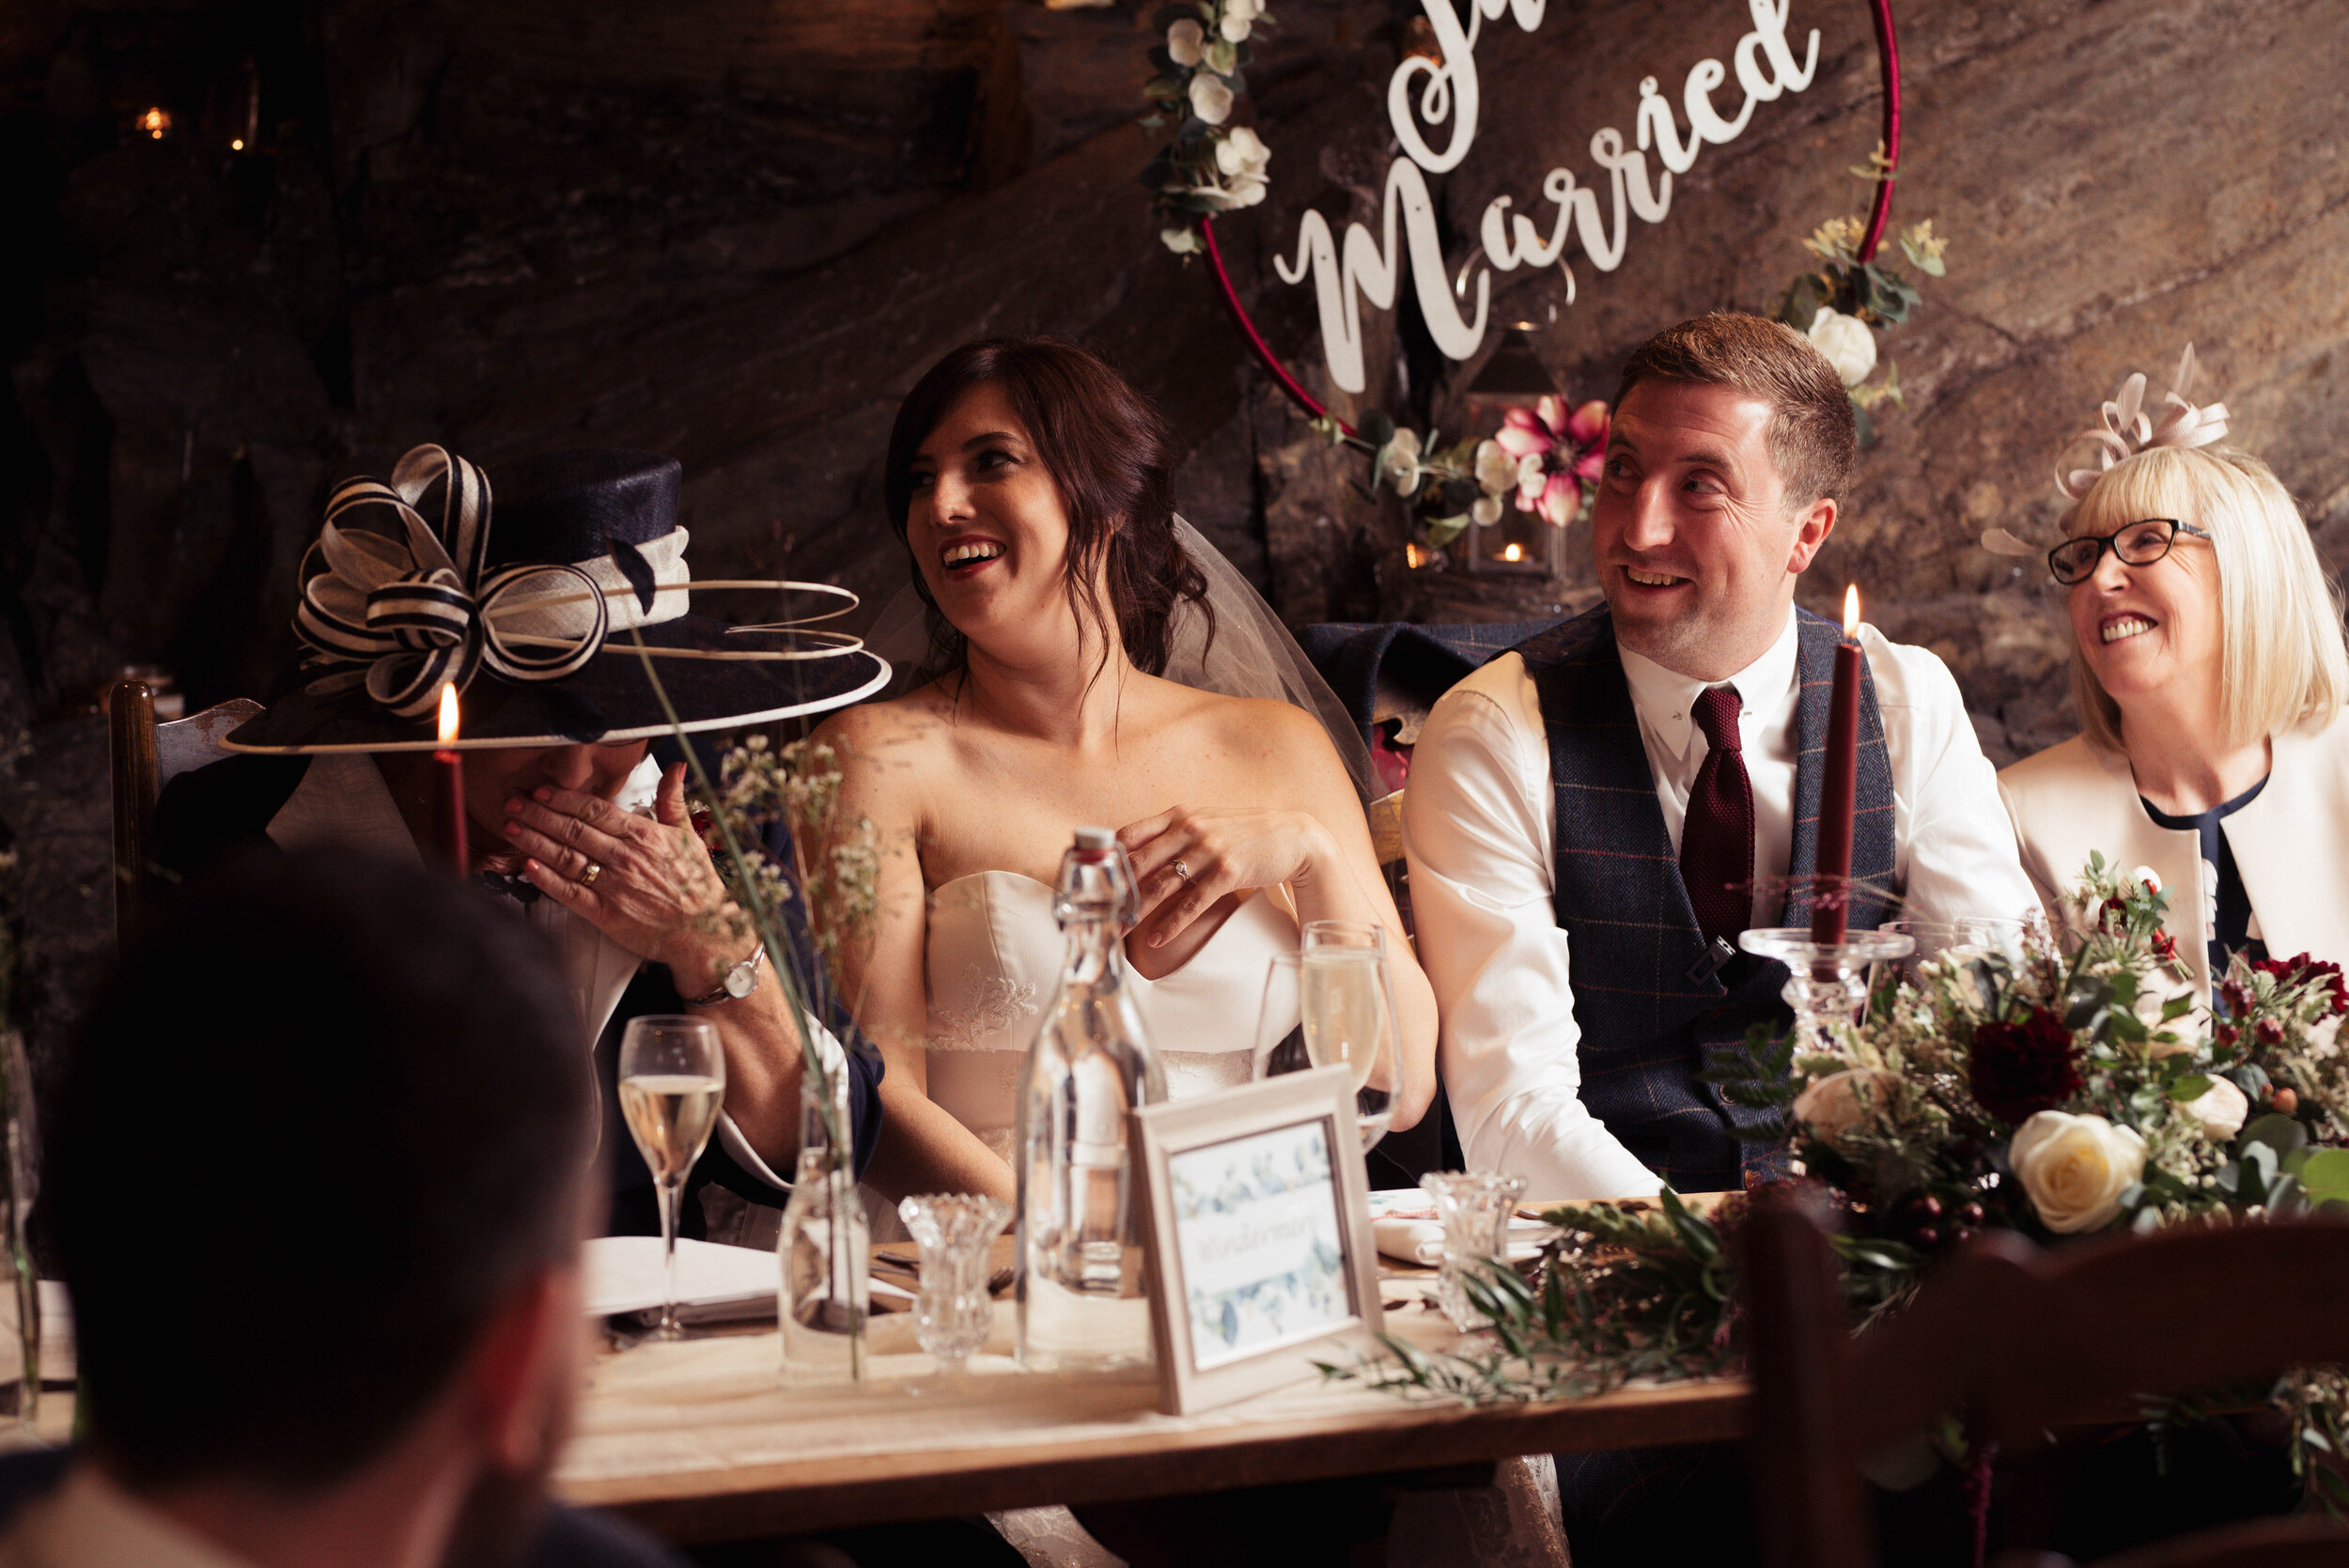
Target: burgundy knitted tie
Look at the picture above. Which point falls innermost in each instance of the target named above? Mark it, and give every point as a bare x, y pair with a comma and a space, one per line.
1716, 840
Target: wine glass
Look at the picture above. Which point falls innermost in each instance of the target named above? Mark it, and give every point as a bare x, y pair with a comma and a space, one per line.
672, 1076
1338, 993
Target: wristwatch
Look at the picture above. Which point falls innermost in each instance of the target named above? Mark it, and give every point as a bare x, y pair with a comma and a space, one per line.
740, 980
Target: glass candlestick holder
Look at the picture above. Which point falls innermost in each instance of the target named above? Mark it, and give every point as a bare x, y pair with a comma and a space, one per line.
954, 1309
1475, 1209
1827, 982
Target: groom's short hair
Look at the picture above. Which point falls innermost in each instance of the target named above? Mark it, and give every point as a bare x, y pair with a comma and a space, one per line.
1814, 436
326, 1117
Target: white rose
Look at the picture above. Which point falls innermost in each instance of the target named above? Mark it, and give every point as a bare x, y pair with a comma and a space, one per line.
1210, 100
1839, 1102
2219, 1109
1185, 42
2073, 1169
1847, 342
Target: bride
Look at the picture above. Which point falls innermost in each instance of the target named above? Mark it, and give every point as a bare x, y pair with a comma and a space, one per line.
1031, 488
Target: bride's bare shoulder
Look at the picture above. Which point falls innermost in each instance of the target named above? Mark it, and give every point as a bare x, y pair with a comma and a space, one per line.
1279, 735
881, 737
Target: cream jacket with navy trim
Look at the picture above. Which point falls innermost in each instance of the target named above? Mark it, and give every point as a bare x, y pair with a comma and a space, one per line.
2291, 844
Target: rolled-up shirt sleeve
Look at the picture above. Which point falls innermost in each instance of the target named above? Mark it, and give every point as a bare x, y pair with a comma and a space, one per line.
1477, 834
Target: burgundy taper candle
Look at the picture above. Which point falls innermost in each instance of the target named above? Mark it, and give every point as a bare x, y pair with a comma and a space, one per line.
448, 787
1831, 887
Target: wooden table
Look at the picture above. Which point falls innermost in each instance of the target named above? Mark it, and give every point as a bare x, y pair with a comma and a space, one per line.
700, 1441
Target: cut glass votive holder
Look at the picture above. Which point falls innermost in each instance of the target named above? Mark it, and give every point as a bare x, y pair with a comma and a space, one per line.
953, 1308
1475, 1209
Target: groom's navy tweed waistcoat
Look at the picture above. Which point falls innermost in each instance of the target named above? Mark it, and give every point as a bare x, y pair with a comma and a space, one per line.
1633, 941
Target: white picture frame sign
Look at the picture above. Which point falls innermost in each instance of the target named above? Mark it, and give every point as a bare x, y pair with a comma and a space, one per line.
1257, 1227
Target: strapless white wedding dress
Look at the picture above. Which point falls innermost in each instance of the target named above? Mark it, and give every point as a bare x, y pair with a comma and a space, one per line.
994, 956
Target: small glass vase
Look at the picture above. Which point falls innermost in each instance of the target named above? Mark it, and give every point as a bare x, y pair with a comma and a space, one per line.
1826, 983
825, 1250
953, 1309
1475, 1209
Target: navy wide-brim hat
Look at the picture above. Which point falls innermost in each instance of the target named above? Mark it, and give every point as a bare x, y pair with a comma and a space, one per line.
530, 597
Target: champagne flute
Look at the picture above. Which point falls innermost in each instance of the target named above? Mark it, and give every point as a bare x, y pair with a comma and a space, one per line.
672, 1076
1344, 1003
1350, 1015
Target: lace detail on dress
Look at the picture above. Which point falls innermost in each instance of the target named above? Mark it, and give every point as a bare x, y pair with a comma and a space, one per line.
997, 1001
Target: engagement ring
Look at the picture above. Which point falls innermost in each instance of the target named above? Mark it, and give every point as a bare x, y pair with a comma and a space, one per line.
587, 877
1179, 869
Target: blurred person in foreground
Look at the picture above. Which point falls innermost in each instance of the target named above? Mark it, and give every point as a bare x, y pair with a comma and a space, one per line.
323, 1234
2210, 672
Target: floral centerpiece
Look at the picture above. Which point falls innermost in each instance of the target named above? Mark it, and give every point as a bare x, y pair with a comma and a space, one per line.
2069, 1086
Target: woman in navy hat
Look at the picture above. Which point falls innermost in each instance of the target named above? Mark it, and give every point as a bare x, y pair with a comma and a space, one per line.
540, 608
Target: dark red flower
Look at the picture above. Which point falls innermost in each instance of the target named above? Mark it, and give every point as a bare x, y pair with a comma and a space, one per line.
2020, 1069
2300, 969
2268, 1031
2165, 947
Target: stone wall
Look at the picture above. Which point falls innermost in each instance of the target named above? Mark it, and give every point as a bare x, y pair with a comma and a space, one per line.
735, 233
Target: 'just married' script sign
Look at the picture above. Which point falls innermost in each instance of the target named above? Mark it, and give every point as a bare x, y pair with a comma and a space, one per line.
1442, 95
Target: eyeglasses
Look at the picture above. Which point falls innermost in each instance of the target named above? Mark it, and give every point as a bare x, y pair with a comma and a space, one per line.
2137, 544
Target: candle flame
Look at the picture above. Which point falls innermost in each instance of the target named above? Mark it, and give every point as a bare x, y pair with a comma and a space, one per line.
448, 711
155, 122
1851, 610
1513, 551
237, 146
1413, 555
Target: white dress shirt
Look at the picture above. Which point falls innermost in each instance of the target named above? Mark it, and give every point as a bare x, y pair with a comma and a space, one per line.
90, 1521
1479, 828
343, 804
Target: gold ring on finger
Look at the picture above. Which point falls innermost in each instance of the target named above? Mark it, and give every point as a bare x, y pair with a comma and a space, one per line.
587, 877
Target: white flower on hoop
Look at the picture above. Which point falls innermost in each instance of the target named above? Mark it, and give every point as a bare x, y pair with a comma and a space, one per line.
1398, 461
1186, 44
1239, 15
1210, 100
1847, 342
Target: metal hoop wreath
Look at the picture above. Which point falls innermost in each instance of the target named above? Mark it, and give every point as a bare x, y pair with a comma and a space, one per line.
1888, 57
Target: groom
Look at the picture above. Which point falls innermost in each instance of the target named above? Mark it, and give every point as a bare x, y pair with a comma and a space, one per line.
1595, 815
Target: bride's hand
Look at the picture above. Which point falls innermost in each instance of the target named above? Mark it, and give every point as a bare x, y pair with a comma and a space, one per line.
1187, 859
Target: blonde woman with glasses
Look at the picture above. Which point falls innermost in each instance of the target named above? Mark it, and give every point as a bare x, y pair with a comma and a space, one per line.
2209, 667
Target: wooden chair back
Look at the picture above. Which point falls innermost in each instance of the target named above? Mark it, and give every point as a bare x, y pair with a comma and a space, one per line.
2016, 1341
144, 757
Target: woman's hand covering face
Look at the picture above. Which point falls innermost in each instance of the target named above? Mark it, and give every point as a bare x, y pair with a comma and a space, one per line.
657, 894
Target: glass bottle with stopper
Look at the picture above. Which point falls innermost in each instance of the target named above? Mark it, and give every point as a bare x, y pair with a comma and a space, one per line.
1080, 1297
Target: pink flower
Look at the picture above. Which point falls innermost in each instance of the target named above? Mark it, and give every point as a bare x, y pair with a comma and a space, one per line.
1557, 451
1529, 432
1560, 500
